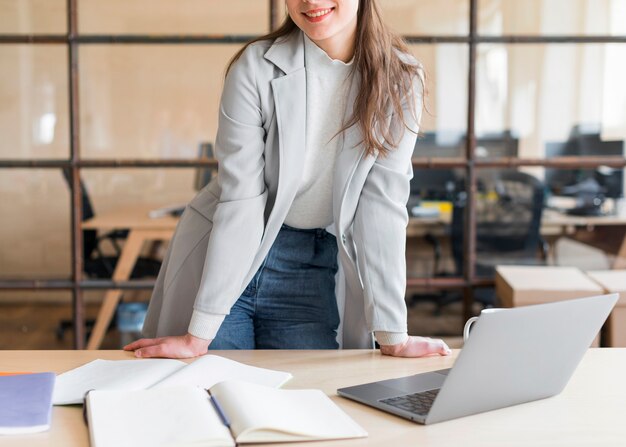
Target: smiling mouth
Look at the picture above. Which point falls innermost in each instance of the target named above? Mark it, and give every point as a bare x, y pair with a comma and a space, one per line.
317, 13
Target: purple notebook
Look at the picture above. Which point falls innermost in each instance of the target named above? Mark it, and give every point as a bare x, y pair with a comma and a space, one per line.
26, 402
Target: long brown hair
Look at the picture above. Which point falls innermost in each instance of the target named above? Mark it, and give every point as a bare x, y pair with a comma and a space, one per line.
387, 79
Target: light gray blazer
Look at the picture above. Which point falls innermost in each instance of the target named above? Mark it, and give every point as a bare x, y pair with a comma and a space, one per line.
229, 226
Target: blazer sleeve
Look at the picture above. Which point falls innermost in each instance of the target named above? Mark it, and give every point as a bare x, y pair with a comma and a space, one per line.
238, 222
379, 229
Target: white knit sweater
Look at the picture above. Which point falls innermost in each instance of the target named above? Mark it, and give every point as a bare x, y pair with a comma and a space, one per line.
327, 85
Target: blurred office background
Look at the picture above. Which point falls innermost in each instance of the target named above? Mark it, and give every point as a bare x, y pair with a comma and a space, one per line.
538, 84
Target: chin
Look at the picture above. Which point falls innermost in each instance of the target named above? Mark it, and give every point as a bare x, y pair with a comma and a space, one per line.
318, 36
317, 33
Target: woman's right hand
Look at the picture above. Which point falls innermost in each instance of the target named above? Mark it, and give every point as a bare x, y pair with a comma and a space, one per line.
175, 347
416, 347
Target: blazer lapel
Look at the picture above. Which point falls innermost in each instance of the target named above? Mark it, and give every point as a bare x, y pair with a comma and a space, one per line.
289, 93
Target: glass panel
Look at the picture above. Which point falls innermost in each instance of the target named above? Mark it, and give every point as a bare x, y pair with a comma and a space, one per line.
34, 224
545, 17
123, 198
32, 319
448, 17
439, 314
150, 101
444, 119
551, 100
112, 118
171, 17
142, 190
34, 105
33, 17
443, 128
431, 251
43, 319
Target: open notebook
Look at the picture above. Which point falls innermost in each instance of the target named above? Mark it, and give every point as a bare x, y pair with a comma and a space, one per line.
204, 372
228, 413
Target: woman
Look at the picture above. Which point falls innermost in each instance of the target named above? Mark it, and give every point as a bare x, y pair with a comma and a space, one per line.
316, 130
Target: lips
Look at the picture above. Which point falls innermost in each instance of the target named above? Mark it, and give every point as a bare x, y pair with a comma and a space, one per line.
319, 14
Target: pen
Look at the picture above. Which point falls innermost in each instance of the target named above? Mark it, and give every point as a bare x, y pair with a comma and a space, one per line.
220, 410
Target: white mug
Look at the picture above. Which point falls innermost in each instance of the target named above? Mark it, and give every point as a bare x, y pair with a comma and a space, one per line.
468, 323
468, 326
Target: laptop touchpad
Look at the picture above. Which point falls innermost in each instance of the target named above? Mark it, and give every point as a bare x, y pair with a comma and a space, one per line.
417, 383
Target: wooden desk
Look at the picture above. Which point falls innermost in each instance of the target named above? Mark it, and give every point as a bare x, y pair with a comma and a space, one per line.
590, 411
142, 229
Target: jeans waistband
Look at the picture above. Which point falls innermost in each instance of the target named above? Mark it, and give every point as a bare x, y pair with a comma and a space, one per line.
319, 232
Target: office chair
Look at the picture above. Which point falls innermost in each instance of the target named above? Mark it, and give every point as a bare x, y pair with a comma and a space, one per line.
508, 214
508, 225
95, 263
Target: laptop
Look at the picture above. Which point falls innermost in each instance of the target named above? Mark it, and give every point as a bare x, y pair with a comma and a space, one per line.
512, 356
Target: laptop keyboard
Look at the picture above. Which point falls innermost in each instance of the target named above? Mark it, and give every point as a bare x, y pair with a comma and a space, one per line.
418, 403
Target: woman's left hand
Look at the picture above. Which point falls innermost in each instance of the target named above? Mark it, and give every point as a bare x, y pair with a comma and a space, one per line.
175, 347
416, 347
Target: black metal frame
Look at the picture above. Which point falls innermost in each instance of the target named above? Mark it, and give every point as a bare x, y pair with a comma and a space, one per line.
73, 40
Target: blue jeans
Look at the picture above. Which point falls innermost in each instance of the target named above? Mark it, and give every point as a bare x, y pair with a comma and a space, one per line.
290, 302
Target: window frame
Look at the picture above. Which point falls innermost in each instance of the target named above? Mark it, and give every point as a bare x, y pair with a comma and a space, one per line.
73, 40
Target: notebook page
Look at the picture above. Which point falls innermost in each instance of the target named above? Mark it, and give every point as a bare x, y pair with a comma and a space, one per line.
181, 416
262, 414
72, 385
208, 370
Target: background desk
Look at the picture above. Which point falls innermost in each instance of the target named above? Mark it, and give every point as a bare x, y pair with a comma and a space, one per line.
142, 229
589, 412
553, 224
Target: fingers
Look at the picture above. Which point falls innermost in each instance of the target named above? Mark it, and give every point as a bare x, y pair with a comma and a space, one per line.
423, 346
434, 346
175, 347
142, 343
152, 351
438, 346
